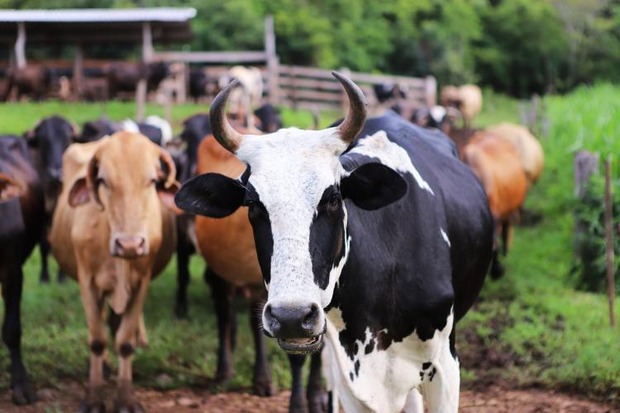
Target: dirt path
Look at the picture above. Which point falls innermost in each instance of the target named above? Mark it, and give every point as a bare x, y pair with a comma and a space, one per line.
493, 400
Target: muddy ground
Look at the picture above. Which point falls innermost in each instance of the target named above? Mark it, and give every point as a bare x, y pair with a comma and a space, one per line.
494, 399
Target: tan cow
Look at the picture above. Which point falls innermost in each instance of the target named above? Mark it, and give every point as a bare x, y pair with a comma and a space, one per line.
112, 232
497, 164
530, 150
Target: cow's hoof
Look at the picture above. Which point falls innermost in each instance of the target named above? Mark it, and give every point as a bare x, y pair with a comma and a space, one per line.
298, 406
263, 388
318, 403
133, 407
92, 407
23, 395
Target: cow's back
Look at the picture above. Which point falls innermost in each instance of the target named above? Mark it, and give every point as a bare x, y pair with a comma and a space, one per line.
445, 204
498, 165
227, 244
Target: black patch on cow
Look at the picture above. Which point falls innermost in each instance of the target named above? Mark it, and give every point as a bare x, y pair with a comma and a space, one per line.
373, 186
432, 373
126, 350
327, 236
401, 278
427, 365
357, 368
369, 347
261, 225
351, 377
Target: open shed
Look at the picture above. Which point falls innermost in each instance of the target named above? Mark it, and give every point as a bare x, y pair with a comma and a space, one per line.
84, 27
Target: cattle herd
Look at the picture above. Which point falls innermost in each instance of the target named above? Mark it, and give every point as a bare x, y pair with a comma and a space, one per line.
361, 244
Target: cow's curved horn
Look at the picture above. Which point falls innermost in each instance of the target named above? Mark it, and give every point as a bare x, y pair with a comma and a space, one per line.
225, 134
356, 117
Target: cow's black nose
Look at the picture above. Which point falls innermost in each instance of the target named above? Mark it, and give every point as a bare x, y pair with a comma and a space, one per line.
293, 321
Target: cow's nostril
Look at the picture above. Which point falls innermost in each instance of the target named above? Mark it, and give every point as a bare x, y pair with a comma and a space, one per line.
311, 317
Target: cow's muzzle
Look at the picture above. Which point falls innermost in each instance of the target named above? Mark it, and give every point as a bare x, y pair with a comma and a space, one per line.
129, 246
299, 329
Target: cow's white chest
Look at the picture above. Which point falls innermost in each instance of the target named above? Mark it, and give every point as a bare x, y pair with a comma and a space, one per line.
383, 378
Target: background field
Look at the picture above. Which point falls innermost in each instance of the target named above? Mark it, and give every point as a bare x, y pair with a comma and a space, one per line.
529, 328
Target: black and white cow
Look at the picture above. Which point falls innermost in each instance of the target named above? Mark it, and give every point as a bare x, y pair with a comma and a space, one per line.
373, 248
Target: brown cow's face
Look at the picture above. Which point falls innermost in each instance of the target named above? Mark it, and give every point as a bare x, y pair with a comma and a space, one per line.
127, 177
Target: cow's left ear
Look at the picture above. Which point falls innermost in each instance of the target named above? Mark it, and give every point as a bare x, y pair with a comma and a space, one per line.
212, 195
373, 186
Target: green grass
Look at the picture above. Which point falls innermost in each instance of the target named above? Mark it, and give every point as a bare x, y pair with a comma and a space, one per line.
554, 336
557, 337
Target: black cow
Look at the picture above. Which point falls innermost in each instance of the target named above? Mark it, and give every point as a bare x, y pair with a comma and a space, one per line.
124, 76
372, 247
48, 141
93, 130
198, 83
269, 119
195, 128
21, 224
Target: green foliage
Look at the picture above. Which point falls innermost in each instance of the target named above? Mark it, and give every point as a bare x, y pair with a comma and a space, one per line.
518, 47
590, 243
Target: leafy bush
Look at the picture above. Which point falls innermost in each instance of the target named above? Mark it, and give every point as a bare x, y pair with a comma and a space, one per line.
590, 269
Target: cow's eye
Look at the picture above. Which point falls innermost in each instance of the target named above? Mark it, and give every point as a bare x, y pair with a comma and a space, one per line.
333, 201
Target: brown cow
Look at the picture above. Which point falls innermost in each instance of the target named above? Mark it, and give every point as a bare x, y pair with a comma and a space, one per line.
497, 164
530, 150
112, 232
227, 244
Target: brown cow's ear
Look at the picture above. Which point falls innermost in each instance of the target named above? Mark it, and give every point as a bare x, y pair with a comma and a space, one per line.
93, 181
166, 195
79, 193
168, 169
9, 188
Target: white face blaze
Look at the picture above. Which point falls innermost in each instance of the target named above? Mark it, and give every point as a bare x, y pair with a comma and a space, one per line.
290, 171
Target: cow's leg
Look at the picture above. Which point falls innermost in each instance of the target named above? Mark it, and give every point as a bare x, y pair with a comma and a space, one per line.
44, 250
97, 341
441, 382
297, 401
262, 378
125, 344
414, 403
12, 333
221, 292
183, 276
315, 392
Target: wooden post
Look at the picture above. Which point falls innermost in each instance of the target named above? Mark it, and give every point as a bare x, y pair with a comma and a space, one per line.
609, 241
272, 61
20, 45
147, 56
430, 91
78, 66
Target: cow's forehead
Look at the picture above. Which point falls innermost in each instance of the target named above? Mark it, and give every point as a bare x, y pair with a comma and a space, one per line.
293, 160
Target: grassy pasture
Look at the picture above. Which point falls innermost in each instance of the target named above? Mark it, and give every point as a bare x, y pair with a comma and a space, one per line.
534, 328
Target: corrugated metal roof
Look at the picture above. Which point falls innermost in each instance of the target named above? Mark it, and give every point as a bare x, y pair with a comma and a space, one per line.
160, 14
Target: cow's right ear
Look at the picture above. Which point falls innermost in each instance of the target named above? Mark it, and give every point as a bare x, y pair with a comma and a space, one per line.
79, 193
212, 195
